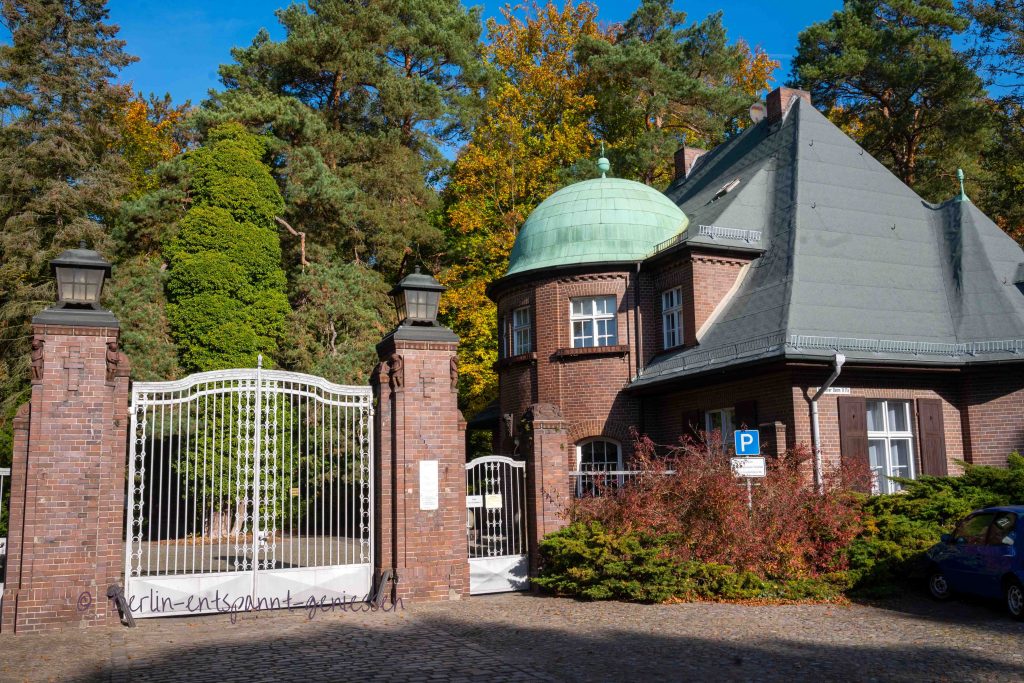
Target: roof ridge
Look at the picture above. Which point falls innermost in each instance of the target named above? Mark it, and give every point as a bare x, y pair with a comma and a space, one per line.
792, 120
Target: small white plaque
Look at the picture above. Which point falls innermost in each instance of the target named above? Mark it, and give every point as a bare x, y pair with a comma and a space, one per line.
749, 467
842, 391
428, 485
474, 501
492, 501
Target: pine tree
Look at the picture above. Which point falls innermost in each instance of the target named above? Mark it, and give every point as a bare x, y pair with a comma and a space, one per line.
998, 32
359, 97
62, 176
536, 125
888, 70
660, 83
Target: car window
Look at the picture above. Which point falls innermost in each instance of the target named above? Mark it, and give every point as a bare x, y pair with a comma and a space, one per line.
973, 530
1002, 526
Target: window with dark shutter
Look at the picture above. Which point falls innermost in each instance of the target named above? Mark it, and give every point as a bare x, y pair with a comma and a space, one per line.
853, 434
932, 437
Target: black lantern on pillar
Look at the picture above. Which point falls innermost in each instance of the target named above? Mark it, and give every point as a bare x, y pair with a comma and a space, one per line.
416, 298
80, 274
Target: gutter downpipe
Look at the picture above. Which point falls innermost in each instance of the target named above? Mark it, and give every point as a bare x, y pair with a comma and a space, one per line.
819, 479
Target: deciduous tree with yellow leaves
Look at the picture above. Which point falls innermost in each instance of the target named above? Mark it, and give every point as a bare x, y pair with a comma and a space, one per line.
536, 124
564, 81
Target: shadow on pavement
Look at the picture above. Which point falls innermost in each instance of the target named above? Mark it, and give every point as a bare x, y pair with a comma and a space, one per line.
460, 644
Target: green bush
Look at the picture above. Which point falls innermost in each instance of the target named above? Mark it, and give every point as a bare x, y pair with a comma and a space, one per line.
602, 559
889, 554
226, 289
588, 561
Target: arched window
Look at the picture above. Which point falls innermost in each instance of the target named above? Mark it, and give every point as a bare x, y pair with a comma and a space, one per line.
597, 455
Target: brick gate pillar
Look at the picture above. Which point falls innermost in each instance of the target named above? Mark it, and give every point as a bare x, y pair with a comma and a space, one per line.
420, 512
548, 489
65, 539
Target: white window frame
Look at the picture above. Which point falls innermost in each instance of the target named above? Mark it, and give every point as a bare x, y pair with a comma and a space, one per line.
602, 325
587, 485
672, 317
502, 337
727, 418
522, 333
603, 468
880, 482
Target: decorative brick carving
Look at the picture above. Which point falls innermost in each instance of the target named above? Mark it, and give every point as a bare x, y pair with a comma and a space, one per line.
117, 362
453, 370
38, 360
397, 372
75, 368
542, 411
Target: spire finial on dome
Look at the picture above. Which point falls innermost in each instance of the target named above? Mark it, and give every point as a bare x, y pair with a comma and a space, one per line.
960, 177
603, 164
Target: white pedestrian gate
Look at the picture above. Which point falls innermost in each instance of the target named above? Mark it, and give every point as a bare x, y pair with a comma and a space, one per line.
248, 489
496, 525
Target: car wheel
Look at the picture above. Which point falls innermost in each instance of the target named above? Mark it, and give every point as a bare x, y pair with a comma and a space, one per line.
938, 586
1015, 599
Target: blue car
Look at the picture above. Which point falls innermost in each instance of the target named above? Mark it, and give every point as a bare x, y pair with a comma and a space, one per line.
984, 556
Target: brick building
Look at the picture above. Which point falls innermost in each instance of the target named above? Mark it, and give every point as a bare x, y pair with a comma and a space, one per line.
736, 295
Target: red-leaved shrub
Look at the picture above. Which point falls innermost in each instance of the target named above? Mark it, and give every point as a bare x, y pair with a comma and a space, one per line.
691, 495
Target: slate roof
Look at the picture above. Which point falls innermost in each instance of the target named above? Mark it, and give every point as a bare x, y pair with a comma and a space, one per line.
853, 260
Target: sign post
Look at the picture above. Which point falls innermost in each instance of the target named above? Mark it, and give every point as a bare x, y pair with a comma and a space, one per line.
748, 462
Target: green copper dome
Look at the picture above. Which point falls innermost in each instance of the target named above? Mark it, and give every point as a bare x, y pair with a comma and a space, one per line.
595, 221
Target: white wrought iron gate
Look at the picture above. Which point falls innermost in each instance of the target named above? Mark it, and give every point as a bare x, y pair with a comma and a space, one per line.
496, 525
248, 489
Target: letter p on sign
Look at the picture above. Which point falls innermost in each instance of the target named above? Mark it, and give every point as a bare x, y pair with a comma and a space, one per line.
748, 442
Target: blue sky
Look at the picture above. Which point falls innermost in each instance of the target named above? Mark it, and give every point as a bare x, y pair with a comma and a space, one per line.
181, 43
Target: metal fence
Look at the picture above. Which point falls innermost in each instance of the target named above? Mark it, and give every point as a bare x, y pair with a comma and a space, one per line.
598, 482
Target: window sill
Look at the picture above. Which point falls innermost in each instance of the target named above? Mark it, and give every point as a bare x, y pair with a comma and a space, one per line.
619, 350
516, 360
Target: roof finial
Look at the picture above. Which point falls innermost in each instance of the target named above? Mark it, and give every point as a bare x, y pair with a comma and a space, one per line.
602, 164
960, 177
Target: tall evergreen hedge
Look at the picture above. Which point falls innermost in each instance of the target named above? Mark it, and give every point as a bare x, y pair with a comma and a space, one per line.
225, 288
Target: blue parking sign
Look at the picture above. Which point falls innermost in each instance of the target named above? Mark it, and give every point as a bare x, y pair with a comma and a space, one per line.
748, 442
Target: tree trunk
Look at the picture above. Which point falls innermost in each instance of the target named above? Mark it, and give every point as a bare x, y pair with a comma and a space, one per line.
217, 525
236, 528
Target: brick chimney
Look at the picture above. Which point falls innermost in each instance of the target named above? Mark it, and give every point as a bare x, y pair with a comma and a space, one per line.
780, 100
685, 158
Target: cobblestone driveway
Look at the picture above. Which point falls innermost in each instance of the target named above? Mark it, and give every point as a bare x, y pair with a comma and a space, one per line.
528, 638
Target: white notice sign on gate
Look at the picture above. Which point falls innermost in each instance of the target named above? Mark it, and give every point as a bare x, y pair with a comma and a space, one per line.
428, 485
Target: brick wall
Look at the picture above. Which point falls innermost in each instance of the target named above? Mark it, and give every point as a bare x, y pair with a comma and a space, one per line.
874, 384
548, 490
705, 278
994, 415
418, 420
68, 486
587, 388
664, 414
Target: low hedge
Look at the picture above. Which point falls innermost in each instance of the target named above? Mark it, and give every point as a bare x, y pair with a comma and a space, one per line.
888, 556
588, 561
598, 559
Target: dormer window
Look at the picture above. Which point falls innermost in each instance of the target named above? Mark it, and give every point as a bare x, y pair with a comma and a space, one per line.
672, 317
593, 321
